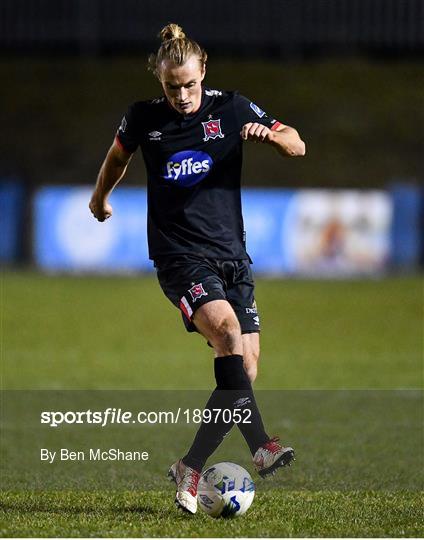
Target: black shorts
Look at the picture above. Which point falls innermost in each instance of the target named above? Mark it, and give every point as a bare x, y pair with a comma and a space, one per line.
190, 282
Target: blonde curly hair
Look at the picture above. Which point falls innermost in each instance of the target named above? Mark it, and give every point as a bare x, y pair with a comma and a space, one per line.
175, 47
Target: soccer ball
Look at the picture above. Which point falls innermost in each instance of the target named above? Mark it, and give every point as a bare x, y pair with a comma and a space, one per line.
225, 490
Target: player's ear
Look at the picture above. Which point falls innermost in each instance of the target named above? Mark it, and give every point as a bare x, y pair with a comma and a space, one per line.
203, 72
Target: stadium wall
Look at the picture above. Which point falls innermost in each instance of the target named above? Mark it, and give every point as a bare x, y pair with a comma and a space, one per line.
278, 27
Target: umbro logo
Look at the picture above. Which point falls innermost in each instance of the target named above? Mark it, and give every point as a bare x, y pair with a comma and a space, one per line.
155, 136
241, 402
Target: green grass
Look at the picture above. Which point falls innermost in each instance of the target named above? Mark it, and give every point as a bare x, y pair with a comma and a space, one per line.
341, 365
273, 514
116, 333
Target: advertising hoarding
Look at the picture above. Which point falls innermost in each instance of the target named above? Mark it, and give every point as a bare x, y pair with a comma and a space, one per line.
318, 233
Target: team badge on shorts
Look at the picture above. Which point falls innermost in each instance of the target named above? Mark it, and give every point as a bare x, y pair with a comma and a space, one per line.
197, 291
212, 130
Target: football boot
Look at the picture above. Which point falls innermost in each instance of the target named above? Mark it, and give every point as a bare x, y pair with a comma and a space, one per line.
186, 480
272, 455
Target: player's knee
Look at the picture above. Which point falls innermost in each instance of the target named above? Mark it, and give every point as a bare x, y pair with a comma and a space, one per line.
227, 336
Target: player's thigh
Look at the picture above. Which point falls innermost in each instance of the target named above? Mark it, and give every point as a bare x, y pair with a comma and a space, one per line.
189, 283
217, 321
251, 351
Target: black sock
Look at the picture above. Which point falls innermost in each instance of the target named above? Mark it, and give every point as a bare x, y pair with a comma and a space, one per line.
234, 390
209, 435
231, 376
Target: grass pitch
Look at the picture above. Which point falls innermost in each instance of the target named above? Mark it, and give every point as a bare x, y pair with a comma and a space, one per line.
359, 449
273, 514
122, 333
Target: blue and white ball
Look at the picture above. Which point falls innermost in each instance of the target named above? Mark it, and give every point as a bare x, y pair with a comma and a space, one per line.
225, 490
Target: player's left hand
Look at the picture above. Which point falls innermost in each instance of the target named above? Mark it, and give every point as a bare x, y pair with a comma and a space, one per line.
256, 132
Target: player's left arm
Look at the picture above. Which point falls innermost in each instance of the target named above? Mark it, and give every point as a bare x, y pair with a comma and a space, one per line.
285, 139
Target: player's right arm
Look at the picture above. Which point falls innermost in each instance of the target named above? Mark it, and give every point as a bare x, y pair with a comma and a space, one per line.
126, 142
111, 172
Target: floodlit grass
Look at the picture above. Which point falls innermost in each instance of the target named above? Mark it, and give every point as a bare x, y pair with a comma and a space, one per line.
273, 514
100, 332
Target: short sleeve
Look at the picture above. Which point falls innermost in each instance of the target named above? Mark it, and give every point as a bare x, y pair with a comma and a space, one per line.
128, 134
248, 111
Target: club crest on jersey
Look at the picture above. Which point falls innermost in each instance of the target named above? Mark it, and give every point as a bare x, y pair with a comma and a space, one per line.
197, 291
212, 130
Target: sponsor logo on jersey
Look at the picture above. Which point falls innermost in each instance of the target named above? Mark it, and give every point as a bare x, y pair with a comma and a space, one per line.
257, 110
197, 291
212, 130
187, 168
256, 319
155, 136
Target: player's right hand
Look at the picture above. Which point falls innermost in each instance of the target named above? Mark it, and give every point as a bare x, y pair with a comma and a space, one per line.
100, 208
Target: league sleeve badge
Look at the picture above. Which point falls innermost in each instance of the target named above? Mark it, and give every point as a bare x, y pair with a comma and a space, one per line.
257, 110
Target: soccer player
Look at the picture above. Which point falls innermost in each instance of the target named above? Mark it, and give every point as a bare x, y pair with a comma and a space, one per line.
191, 139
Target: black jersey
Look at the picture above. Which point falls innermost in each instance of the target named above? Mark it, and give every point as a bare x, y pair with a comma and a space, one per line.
193, 167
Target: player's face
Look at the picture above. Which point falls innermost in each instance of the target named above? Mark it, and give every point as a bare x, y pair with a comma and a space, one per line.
183, 84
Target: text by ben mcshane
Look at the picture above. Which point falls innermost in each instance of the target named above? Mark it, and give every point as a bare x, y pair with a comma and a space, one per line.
92, 454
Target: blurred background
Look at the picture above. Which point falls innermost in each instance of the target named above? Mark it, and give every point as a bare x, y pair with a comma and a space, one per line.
348, 74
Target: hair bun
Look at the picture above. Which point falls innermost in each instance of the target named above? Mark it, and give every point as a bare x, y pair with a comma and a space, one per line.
171, 31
